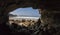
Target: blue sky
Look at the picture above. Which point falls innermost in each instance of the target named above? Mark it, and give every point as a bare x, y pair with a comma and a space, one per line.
26, 11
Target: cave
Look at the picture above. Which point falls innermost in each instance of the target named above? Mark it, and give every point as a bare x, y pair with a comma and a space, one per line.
49, 10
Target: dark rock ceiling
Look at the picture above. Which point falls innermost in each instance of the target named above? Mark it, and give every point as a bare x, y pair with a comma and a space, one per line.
36, 4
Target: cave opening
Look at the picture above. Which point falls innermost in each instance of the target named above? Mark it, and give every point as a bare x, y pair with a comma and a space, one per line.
24, 19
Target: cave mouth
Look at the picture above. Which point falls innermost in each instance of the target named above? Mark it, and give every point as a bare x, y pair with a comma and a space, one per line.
22, 19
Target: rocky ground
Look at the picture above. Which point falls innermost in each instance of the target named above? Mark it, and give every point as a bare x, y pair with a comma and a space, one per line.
36, 29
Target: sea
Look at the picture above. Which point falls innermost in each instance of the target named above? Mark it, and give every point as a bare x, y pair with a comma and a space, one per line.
23, 17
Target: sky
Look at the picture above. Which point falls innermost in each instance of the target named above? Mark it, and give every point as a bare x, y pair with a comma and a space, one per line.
26, 11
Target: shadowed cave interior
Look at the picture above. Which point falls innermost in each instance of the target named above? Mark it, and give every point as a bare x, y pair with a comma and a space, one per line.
49, 24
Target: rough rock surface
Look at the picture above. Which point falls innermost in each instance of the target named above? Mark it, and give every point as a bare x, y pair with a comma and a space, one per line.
49, 9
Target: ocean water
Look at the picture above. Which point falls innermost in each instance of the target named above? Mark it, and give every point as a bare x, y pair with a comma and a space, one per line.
23, 18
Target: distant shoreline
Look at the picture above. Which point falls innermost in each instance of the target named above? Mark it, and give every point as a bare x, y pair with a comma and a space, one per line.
22, 15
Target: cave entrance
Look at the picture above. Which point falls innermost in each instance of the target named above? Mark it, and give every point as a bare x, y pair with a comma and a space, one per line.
24, 17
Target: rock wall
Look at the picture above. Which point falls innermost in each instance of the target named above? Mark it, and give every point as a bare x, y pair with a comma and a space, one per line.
50, 11
50, 19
